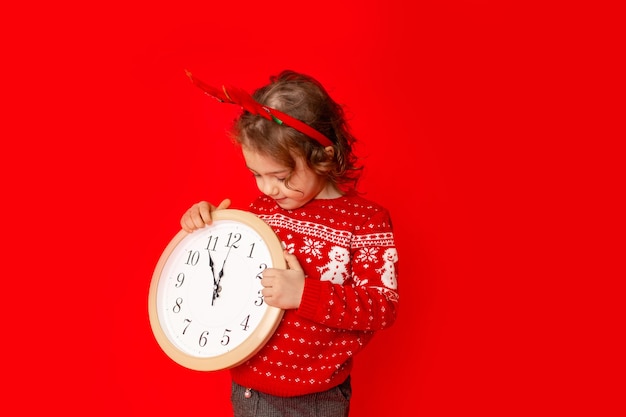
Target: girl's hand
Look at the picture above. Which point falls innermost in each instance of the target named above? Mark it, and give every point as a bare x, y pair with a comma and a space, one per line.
283, 288
199, 215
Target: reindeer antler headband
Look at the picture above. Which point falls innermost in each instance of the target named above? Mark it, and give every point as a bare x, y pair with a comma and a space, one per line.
234, 95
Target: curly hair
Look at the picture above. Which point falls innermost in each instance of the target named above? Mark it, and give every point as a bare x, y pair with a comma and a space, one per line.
304, 98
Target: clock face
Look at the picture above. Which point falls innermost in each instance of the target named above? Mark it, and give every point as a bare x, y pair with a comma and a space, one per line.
206, 307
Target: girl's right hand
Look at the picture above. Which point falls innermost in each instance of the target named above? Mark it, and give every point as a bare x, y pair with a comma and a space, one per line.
199, 215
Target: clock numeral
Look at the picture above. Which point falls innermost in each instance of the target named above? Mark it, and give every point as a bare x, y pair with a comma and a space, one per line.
244, 324
177, 307
180, 278
225, 338
259, 300
186, 325
203, 338
192, 257
262, 268
212, 240
233, 239
251, 249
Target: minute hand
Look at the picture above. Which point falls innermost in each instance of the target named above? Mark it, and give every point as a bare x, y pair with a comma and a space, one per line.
221, 273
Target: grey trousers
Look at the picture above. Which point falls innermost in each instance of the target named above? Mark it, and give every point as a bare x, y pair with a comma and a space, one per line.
334, 402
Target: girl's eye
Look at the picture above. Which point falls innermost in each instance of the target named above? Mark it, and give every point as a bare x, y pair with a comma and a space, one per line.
281, 179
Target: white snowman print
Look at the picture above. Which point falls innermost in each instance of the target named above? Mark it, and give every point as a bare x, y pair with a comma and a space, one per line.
388, 270
335, 270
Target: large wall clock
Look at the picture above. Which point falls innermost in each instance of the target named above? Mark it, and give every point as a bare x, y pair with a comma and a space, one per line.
205, 305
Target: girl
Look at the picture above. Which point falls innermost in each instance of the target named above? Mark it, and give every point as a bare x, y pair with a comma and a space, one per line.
341, 282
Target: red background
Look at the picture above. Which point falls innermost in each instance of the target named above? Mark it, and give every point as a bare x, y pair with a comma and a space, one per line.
490, 133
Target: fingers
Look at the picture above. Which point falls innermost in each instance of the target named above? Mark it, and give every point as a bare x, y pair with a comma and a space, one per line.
268, 291
266, 281
224, 204
282, 288
292, 261
202, 215
186, 223
197, 216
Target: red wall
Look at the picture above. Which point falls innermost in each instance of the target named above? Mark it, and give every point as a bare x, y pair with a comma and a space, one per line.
485, 131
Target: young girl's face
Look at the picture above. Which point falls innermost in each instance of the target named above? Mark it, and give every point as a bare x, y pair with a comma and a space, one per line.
304, 185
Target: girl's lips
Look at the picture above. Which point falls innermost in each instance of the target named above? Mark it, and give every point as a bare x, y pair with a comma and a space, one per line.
280, 201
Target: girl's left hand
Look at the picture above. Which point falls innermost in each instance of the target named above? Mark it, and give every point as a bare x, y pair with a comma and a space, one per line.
283, 288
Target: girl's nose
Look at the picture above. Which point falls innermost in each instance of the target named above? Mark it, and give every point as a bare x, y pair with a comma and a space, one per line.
268, 188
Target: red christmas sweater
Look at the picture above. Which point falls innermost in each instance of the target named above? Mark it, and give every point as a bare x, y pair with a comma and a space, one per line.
347, 250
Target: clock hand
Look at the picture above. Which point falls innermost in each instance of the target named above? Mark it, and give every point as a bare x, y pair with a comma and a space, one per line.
216, 288
221, 273
216, 282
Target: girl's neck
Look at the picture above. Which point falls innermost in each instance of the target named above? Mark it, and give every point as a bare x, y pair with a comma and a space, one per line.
330, 191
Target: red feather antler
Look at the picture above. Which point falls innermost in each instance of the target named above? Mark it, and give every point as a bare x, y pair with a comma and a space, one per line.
235, 95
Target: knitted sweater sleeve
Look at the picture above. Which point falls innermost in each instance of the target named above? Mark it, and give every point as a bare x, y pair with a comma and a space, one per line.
368, 300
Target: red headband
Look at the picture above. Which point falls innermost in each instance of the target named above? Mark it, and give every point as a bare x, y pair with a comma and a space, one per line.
238, 96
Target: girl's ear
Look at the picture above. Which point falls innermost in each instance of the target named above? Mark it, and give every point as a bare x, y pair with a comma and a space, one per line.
330, 151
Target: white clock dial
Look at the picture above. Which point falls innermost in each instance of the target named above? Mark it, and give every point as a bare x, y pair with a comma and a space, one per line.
207, 310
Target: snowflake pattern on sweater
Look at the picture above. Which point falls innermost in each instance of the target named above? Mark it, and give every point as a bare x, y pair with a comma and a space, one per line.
347, 250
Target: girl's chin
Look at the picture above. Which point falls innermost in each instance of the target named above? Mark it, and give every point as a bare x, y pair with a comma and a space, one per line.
287, 204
